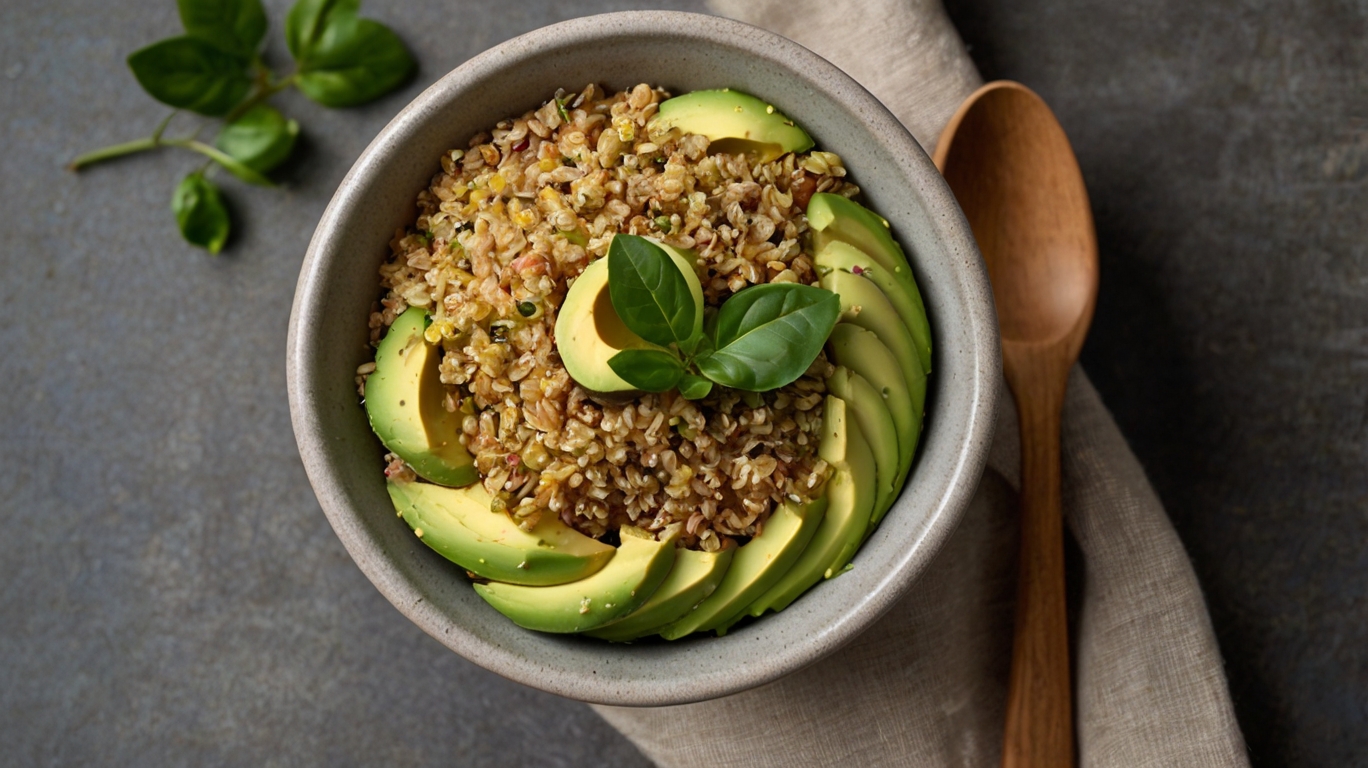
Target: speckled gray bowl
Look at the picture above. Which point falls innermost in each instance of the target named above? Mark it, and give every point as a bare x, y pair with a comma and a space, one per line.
682, 52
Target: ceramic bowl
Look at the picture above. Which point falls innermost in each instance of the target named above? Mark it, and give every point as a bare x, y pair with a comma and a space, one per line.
682, 52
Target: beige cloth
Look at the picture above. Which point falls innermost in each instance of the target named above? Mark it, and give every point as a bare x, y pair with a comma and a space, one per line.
926, 685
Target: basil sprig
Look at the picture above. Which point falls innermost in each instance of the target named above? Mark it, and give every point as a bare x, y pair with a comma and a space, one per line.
762, 338
215, 69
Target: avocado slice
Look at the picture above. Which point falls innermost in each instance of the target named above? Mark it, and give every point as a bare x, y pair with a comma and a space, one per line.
876, 425
734, 123
833, 218
459, 525
589, 331
403, 399
695, 575
850, 497
625, 583
757, 565
862, 352
863, 304
843, 256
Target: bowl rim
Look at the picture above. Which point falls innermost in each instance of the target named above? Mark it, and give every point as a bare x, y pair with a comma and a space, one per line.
309, 420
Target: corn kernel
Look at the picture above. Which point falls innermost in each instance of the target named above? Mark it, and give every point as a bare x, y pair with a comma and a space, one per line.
432, 334
497, 183
547, 165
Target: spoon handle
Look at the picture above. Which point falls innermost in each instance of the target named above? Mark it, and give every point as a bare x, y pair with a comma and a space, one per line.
1039, 710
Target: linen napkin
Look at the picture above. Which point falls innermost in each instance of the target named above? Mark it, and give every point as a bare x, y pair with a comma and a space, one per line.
926, 685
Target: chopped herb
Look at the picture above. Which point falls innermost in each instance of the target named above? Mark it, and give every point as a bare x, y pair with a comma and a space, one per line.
527, 308
560, 107
663, 224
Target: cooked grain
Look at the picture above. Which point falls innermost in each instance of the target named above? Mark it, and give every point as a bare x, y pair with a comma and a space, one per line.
512, 219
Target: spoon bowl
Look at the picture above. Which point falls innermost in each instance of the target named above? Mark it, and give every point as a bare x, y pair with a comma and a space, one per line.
1014, 173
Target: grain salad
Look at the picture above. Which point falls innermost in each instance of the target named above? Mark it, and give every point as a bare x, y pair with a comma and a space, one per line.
501, 234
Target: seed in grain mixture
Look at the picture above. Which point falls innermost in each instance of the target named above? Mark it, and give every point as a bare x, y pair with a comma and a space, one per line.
610, 320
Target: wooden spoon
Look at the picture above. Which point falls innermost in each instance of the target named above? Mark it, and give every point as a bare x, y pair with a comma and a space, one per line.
1015, 175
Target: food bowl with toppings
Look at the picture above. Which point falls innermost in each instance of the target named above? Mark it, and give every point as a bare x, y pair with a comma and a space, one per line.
643, 359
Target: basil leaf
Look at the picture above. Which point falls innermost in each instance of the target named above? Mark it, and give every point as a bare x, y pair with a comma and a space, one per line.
189, 73
307, 19
694, 387
768, 335
359, 61
200, 212
649, 291
232, 26
261, 139
344, 60
650, 370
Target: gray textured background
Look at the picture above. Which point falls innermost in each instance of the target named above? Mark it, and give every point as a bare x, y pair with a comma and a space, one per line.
171, 594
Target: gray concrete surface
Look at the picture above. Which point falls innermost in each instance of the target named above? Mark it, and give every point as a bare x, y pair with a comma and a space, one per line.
171, 594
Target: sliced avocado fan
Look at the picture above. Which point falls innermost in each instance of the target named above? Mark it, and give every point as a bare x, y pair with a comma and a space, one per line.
404, 404
623, 585
863, 304
695, 575
734, 123
835, 218
876, 425
459, 525
862, 352
850, 495
756, 566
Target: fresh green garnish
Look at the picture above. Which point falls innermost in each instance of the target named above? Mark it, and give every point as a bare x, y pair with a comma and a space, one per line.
343, 60
650, 370
694, 387
527, 308
768, 335
649, 292
663, 224
200, 212
215, 69
762, 338
233, 27
577, 236
261, 139
189, 73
